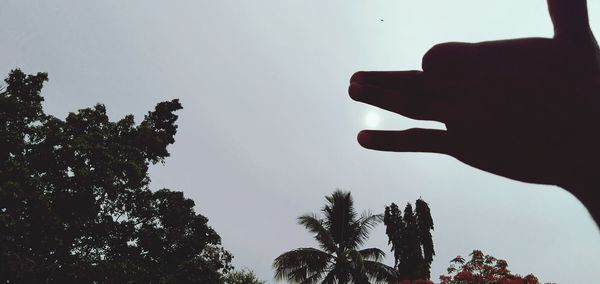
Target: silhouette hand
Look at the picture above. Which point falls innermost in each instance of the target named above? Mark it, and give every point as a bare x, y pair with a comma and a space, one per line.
527, 109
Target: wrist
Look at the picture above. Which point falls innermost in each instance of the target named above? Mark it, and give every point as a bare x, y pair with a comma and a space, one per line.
585, 186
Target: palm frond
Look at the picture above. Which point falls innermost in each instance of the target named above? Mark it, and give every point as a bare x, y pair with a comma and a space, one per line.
315, 225
298, 275
358, 272
359, 277
314, 278
373, 254
330, 277
379, 272
300, 264
356, 260
363, 226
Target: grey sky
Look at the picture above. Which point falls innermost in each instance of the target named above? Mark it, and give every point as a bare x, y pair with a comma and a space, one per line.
268, 130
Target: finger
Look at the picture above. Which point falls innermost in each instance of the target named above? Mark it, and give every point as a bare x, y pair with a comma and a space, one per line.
410, 104
570, 18
450, 59
411, 140
396, 80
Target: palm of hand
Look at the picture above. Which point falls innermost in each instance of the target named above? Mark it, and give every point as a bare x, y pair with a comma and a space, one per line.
523, 109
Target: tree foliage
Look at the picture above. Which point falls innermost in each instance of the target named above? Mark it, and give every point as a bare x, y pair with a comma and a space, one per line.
411, 240
75, 203
483, 269
339, 259
243, 276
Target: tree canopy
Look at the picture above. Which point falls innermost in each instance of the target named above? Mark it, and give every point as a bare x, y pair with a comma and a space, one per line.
75, 202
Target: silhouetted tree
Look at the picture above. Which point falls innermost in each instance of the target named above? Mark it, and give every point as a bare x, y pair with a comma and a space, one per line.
411, 240
394, 228
412, 258
75, 206
339, 234
424, 228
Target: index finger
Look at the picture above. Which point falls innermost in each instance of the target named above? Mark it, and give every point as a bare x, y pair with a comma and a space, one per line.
393, 80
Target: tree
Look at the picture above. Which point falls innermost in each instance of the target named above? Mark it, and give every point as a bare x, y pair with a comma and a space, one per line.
483, 269
339, 260
394, 228
411, 240
424, 228
75, 203
243, 276
412, 260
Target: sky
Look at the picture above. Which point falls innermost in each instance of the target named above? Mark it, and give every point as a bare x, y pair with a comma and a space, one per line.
268, 129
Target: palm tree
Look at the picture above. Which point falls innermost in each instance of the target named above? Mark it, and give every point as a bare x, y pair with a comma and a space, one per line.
339, 259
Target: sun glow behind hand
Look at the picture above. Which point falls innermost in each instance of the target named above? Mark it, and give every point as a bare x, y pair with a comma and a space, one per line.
372, 119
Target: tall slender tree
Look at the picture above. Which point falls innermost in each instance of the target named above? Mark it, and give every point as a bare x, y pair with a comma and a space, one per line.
424, 228
339, 260
412, 259
394, 228
411, 240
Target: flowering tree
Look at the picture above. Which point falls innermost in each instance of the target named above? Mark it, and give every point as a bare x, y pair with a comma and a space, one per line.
483, 269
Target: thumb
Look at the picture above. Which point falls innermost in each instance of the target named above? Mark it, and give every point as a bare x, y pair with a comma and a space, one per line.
570, 18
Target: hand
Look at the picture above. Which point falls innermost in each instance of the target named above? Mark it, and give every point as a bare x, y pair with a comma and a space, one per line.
527, 109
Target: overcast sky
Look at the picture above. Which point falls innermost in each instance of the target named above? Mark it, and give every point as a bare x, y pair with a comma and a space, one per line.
268, 129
